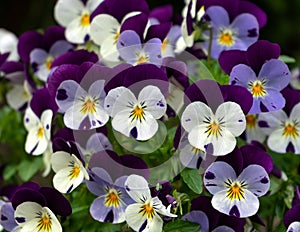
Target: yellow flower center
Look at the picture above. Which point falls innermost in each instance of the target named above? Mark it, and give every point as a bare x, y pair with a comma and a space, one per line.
116, 37
40, 132
250, 120
142, 59
147, 210
196, 150
85, 20
257, 88
49, 62
44, 224
164, 45
137, 113
112, 198
74, 173
290, 130
213, 129
235, 191
226, 38
89, 106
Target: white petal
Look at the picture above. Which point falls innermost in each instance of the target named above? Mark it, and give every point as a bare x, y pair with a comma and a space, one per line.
198, 137
224, 144
125, 99
277, 141
73, 117
17, 97
216, 175
112, 97
102, 27
93, 4
137, 188
30, 119
161, 209
64, 14
273, 119
60, 160
99, 118
27, 212
75, 32
232, 116
239, 208
133, 218
8, 43
295, 113
155, 224
42, 72
109, 51
194, 114
46, 120
34, 144
256, 178
296, 143
294, 227
147, 128
154, 100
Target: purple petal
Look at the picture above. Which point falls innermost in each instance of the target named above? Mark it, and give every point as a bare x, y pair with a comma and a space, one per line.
198, 217
249, 7
162, 13
276, 72
241, 74
158, 31
292, 215
272, 102
24, 195
41, 100
53, 34
234, 159
100, 212
231, 58
218, 16
128, 45
153, 49
255, 155
60, 47
135, 23
7, 219
292, 98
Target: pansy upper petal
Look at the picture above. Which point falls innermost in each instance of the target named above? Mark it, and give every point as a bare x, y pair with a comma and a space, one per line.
121, 102
223, 229
112, 97
257, 179
218, 16
233, 117
277, 73
137, 188
194, 114
216, 174
154, 100
245, 207
93, 4
75, 32
38, 56
60, 47
64, 14
241, 74
295, 113
73, 117
153, 48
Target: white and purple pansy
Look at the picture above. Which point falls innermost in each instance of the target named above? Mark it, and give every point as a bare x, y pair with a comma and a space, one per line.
112, 198
136, 117
283, 130
294, 227
82, 109
253, 132
39, 131
236, 195
144, 214
219, 129
69, 170
7, 219
76, 19
238, 34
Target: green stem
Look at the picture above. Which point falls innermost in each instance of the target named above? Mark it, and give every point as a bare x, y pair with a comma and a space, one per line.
209, 46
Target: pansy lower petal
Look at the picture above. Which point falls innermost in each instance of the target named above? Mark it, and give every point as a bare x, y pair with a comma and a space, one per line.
198, 137
247, 27
194, 114
98, 210
104, 26
42, 72
122, 123
277, 141
134, 217
241, 74
296, 143
99, 118
65, 182
274, 100
137, 188
75, 32
276, 72
191, 157
34, 144
155, 224
216, 175
73, 117
112, 97
224, 144
66, 93
154, 100
256, 178
233, 117
145, 129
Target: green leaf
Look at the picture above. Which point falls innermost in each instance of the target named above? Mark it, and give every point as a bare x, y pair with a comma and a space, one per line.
180, 225
287, 59
28, 169
193, 179
9, 171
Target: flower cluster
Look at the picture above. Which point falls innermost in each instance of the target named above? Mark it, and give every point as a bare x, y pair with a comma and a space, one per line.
150, 121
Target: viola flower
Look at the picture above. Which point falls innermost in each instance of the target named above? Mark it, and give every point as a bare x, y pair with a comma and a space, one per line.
144, 214
19, 95
39, 130
238, 34
283, 130
112, 198
69, 170
7, 219
133, 52
136, 117
219, 129
82, 109
169, 44
236, 196
253, 132
8, 44
77, 19
264, 77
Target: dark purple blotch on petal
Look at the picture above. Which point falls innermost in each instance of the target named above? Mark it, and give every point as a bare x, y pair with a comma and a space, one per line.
210, 175
20, 219
290, 148
234, 211
134, 132
263, 124
109, 217
61, 95
252, 32
264, 180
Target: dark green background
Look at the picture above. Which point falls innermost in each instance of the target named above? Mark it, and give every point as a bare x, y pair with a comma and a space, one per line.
282, 27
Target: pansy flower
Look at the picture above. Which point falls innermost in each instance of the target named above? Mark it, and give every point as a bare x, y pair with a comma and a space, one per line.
136, 117
259, 71
76, 19
7, 219
253, 132
144, 214
8, 44
236, 195
36, 208
112, 198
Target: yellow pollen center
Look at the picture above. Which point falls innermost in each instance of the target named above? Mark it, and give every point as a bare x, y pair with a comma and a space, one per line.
147, 210
142, 59
44, 224
196, 150
164, 45
116, 37
235, 192
137, 113
40, 132
112, 198
89, 106
257, 88
226, 38
250, 120
85, 20
74, 173
213, 129
49, 63
290, 130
